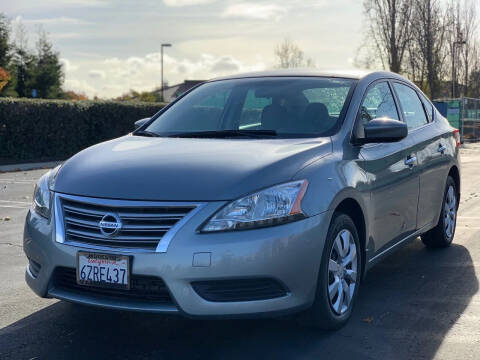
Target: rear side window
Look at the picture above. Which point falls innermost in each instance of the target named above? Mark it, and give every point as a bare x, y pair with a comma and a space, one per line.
411, 106
428, 107
378, 103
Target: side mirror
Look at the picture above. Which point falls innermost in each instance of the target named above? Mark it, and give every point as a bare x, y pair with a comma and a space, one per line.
139, 123
384, 130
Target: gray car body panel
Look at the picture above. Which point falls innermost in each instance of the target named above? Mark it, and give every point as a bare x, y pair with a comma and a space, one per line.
397, 202
140, 168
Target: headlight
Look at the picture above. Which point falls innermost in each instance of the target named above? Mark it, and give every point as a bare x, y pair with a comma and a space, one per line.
41, 194
272, 206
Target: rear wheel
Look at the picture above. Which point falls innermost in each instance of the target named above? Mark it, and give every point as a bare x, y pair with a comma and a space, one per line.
442, 234
339, 276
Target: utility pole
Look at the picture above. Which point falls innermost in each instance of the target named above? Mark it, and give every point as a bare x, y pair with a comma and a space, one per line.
456, 45
161, 60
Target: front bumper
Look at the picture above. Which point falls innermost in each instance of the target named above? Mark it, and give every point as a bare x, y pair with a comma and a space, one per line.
288, 253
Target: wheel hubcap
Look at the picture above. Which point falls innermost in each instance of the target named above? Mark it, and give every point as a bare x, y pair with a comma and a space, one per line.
450, 212
342, 272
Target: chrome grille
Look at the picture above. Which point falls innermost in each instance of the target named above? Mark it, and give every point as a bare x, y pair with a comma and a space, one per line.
143, 225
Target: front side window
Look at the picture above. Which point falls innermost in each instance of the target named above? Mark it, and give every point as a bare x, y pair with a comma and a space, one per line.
284, 106
378, 103
412, 108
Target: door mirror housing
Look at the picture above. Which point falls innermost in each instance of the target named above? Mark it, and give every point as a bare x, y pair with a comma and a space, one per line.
139, 123
384, 130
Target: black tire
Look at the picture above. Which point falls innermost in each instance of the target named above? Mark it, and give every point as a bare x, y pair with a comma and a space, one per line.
322, 314
439, 237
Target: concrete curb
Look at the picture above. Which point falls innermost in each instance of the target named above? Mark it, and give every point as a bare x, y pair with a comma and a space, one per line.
29, 166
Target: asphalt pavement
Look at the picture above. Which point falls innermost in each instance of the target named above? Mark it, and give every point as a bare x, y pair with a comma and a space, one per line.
416, 304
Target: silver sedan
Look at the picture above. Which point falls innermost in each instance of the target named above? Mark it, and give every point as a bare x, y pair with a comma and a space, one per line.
252, 195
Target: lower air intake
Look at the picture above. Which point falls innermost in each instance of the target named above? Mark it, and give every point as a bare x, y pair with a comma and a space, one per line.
239, 289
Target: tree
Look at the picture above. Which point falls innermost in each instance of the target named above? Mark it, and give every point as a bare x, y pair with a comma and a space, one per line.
475, 81
474, 75
463, 42
48, 69
289, 55
72, 95
144, 96
7, 76
24, 70
430, 24
23, 62
389, 30
5, 47
424, 40
4, 78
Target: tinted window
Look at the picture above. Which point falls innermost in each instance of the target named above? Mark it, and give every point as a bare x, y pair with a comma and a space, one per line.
428, 107
306, 106
378, 103
411, 106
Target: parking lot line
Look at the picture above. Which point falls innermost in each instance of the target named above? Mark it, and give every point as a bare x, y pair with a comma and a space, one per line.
14, 202
14, 207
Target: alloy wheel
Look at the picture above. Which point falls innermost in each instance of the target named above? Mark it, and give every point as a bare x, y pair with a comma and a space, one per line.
342, 272
450, 212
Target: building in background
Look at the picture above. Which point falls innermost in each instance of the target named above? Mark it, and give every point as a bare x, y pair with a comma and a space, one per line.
174, 91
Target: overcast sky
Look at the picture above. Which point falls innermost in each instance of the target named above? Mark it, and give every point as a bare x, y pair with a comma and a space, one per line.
111, 46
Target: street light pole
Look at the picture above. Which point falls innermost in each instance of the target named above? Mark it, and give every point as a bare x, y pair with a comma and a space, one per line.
161, 60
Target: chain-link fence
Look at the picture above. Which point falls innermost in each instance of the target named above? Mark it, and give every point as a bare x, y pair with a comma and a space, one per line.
463, 114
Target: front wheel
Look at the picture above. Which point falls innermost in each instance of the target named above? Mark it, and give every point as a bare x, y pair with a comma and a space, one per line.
339, 276
442, 234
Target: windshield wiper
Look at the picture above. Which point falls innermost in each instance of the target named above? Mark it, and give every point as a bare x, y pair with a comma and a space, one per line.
226, 133
146, 133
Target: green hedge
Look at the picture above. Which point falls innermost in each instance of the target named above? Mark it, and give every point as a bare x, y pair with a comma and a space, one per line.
45, 130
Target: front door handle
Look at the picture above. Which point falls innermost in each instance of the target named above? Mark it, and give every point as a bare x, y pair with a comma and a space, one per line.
441, 148
411, 161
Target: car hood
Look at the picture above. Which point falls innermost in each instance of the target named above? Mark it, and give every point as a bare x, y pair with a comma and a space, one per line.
185, 169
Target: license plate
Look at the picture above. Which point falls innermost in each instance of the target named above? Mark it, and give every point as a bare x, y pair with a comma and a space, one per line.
103, 270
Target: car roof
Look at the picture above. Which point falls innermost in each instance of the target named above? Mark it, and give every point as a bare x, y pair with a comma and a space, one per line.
347, 74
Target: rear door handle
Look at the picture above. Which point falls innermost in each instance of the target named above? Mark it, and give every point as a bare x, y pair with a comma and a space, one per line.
441, 148
411, 161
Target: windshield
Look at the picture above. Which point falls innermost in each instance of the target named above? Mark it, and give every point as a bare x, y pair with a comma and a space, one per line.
281, 107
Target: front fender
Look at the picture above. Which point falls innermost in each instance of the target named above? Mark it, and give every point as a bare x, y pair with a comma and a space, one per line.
332, 180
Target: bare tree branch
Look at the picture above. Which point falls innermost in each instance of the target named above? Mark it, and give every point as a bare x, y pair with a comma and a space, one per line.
289, 55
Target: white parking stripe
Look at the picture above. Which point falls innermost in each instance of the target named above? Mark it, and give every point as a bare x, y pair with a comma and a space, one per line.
15, 202
14, 207
17, 180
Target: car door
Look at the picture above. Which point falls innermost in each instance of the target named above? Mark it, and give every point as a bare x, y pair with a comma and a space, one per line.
430, 147
393, 182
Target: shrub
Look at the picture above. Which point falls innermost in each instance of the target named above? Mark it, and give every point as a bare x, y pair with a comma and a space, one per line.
4, 78
44, 130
